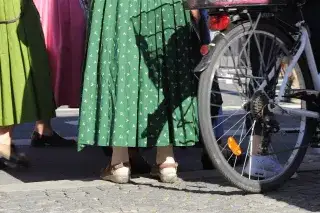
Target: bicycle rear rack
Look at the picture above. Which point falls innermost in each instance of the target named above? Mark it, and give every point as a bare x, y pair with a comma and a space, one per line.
215, 4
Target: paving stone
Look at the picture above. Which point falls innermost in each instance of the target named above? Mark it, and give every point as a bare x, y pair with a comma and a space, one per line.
201, 193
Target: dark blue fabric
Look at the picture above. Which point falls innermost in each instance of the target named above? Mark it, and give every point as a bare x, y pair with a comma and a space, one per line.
206, 39
204, 30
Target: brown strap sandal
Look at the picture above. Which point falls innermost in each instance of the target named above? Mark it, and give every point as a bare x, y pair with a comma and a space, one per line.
166, 172
119, 173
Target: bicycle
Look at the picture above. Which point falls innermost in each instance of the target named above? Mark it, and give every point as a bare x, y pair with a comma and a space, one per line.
260, 55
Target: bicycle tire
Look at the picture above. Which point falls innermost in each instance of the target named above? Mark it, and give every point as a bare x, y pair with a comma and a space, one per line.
209, 139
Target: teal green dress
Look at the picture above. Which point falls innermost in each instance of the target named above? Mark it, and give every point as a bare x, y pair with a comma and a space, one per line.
139, 89
25, 85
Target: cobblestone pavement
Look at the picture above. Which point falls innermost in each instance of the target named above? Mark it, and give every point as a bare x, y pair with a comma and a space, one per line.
204, 194
63, 180
69, 183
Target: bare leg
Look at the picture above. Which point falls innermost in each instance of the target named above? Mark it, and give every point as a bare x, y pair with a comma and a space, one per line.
165, 155
43, 128
44, 135
196, 15
8, 154
119, 155
119, 169
5, 141
139, 165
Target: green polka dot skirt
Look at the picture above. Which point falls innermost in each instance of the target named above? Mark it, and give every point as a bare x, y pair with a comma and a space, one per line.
139, 89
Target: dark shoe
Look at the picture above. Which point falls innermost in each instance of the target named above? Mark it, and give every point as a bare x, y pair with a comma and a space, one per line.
54, 140
15, 160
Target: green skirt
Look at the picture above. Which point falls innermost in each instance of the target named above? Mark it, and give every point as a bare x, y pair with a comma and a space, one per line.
139, 88
25, 85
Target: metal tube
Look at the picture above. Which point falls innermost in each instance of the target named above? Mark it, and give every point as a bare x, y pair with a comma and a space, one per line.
293, 63
295, 112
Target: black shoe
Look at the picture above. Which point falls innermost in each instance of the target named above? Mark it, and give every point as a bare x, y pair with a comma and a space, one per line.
16, 160
54, 140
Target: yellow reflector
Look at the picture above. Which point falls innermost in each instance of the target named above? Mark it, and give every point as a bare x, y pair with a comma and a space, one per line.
234, 147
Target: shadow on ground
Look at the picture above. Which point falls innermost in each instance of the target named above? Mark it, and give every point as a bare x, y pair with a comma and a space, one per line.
302, 192
50, 164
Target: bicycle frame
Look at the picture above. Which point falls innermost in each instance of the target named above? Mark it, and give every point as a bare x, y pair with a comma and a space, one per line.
305, 46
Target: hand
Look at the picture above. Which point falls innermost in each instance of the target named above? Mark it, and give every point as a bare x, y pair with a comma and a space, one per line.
196, 15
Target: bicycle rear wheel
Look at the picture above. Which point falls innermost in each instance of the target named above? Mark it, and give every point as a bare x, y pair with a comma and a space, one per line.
241, 60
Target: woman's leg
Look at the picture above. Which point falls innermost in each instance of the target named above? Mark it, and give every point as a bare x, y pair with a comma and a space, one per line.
196, 15
166, 168
119, 169
43, 128
5, 141
119, 155
8, 153
44, 135
165, 155
139, 165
